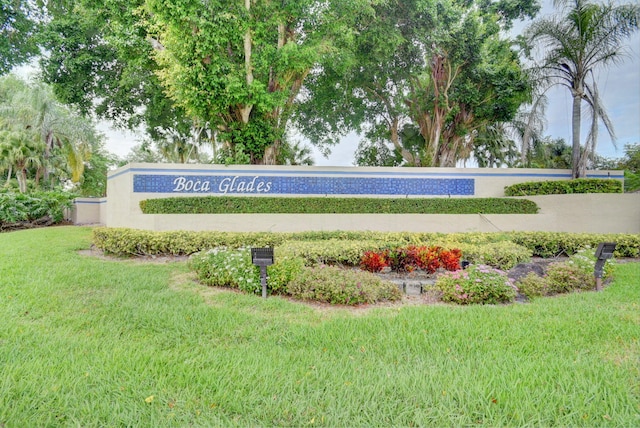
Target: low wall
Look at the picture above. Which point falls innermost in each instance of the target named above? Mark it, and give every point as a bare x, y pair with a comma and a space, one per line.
89, 211
127, 186
591, 213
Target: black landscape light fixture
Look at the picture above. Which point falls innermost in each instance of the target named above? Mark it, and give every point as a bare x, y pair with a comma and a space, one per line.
262, 257
603, 253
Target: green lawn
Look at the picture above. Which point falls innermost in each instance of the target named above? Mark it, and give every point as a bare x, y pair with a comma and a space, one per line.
89, 342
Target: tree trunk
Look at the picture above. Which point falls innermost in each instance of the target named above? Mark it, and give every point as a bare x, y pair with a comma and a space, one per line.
22, 180
246, 110
395, 139
575, 135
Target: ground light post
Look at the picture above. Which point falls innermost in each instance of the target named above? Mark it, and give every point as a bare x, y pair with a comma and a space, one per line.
262, 257
603, 253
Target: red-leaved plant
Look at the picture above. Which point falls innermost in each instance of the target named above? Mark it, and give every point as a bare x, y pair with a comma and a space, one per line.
407, 259
373, 261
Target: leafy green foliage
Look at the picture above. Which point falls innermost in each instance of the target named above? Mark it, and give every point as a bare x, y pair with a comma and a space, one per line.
553, 244
565, 277
501, 255
20, 207
420, 79
631, 165
19, 22
532, 285
478, 284
341, 286
274, 205
284, 270
133, 242
330, 251
42, 140
557, 187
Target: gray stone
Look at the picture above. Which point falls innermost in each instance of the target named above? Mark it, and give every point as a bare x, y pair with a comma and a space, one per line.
523, 269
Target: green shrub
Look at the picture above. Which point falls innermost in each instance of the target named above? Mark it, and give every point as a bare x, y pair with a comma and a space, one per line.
334, 285
282, 272
577, 273
553, 244
563, 277
22, 207
330, 251
225, 267
532, 285
335, 205
478, 284
500, 255
134, 242
555, 187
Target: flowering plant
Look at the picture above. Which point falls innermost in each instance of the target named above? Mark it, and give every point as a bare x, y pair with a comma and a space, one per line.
226, 267
585, 260
477, 284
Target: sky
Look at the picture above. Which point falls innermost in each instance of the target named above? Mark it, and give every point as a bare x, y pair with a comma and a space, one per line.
619, 87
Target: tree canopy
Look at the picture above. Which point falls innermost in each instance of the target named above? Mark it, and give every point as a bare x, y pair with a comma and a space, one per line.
19, 22
425, 76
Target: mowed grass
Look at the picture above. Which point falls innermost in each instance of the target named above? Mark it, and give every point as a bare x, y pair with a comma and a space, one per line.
90, 342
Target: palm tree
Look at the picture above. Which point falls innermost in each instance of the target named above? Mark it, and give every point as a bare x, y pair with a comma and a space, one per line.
585, 37
32, 108
20, 151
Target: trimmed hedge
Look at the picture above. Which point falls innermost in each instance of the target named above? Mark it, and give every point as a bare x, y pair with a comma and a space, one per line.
553, 244
293, 205
560, 187
133, 242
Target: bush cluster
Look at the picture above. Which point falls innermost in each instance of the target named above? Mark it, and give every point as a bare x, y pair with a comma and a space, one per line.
330, 251
225, 267
305, 275
134, 242
562, 277
22, 207
335, 285
335, 205
478, 284
556, 187
554, 244
412, 257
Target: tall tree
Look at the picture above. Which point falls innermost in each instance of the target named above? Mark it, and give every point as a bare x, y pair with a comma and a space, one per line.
440, 67
584, 37
100, 60
19, 151
240, 65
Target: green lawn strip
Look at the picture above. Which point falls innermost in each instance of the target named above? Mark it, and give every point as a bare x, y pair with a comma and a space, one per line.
90, 342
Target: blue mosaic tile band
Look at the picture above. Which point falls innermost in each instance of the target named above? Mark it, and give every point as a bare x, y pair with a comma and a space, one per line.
301, 185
